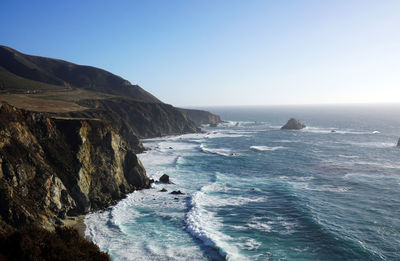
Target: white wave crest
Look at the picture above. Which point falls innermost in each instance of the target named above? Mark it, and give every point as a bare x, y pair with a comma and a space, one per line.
214, 135
260, 226
221, 152
348, 156
266, 148
321, 188
333, 131
204, 225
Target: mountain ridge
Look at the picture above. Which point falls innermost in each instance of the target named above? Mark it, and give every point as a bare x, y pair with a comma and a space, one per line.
67, 75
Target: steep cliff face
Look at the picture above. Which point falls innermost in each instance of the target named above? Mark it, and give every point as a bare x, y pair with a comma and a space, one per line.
200, 117
144, 120
53, 167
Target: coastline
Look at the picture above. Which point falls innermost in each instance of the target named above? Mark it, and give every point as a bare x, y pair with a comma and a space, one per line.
78, 223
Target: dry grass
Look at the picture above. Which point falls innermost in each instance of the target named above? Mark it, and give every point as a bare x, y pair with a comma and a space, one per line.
52, 101
70, 95
23, 101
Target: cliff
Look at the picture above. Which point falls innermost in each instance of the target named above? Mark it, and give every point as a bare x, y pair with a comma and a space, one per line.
145, 120
52, 167
200, 117
69, 135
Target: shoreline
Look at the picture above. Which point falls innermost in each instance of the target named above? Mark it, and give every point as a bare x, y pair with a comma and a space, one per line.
76, 222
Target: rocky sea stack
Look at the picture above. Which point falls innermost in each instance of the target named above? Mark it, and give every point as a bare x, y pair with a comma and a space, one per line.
293, 124
398, 143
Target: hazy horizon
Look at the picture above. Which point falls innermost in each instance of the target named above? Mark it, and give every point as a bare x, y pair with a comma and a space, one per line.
223, 53
360, 104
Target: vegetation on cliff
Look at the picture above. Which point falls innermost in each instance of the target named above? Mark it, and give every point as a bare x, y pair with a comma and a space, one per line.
34, 243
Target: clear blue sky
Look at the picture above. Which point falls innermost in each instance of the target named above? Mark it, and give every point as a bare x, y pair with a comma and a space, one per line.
215, 52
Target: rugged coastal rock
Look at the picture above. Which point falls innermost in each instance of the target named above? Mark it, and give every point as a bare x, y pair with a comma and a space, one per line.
200, 117
293, 124
398, 143
165, 179
53, 167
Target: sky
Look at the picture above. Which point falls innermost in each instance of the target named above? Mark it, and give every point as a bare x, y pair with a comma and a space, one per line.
220, 52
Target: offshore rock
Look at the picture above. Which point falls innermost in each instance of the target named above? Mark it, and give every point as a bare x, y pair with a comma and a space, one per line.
165, 179
398, 143
293, 124
54, 167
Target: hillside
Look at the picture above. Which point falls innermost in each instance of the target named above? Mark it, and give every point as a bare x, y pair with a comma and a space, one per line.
21, 72
55, 86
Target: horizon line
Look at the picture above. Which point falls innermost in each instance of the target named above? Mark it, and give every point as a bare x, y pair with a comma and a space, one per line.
290, 104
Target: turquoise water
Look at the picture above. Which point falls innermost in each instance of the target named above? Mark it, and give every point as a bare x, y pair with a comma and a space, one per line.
255, 192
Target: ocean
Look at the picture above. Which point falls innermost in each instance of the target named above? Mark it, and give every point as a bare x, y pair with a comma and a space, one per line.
255, 192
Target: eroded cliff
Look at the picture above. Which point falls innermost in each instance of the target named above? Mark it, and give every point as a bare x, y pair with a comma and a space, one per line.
52, 167
200, 117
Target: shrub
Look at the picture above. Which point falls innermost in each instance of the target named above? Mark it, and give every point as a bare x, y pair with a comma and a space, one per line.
34, 243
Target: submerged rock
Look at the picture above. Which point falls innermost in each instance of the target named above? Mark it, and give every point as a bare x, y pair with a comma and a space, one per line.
163, 190
293, 124
165, 179
177, 192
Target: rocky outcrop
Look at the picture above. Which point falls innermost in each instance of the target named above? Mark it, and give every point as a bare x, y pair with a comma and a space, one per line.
164, 178
200, 117
53, 167
398, 143
293, 124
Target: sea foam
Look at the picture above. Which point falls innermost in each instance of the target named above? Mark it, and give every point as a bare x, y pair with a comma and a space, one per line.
204, 225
